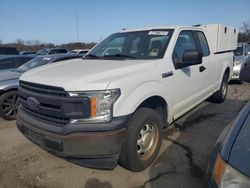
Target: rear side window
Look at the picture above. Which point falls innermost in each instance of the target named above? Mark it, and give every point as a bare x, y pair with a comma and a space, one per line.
203, 43
53, 52
58, 51
7, 63
62, 51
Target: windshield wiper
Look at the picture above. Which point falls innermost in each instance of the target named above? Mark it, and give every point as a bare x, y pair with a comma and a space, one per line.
91, 56
120, 56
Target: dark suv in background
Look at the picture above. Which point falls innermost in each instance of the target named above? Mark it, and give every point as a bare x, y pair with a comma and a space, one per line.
8, 51
8, 62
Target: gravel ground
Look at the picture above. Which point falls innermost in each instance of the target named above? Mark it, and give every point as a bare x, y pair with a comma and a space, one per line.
182, 161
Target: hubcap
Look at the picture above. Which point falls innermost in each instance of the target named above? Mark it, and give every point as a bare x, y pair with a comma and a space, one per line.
10, 105
224, 89
147, 140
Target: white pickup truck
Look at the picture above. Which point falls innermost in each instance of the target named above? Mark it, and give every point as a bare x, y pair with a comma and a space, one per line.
113, 104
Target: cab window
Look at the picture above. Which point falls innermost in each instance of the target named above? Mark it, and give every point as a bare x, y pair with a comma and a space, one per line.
203, 43
184, 42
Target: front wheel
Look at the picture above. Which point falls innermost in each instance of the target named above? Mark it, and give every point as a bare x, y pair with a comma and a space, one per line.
143, 140
8, 105
221, 94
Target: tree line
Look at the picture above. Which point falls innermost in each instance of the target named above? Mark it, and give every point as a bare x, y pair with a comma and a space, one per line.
36, 45
244, 34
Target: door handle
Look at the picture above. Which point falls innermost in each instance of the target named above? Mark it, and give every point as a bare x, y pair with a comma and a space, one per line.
202, 68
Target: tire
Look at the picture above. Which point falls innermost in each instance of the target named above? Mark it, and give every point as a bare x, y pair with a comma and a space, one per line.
221, 94
8, 105
143, 140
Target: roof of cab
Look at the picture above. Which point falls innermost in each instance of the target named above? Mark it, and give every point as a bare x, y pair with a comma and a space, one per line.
159, 27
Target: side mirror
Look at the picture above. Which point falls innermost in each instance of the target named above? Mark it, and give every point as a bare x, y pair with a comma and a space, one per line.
190, 57
248, 53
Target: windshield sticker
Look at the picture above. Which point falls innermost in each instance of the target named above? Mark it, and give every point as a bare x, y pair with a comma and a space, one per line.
47, 58
161, 33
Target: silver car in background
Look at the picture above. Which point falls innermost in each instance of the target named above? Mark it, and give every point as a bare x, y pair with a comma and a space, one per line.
241, 59
9, 81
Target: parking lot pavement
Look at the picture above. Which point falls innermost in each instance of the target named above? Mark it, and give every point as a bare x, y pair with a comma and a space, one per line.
182, 161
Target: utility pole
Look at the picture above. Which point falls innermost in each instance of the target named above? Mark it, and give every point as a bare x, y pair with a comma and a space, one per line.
77, 27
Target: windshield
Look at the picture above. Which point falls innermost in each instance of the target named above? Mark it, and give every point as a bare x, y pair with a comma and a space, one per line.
150, 44
36, 62
42, 52
238, 51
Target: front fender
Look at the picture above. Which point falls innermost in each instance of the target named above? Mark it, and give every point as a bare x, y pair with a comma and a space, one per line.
131, 99
9, 85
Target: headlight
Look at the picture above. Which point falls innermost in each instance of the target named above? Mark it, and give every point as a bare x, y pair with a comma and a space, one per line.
226, 176
101, 105
236, 63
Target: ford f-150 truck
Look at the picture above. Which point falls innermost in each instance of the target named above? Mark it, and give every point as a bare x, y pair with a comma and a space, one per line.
112, 105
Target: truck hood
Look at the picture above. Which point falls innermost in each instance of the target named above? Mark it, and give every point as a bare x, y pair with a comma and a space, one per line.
86, 74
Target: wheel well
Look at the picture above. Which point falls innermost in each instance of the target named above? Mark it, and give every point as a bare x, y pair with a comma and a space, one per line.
13, 89
157, 103
227, 71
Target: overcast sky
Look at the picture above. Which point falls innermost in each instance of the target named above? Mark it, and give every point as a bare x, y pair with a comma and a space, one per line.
55, 20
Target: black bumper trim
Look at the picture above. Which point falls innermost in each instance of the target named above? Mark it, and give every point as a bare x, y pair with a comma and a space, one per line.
98, 148
40, 140
105, 163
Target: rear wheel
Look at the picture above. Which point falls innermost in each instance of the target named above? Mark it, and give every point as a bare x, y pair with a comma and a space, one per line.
143, 140
220, 95
8, 105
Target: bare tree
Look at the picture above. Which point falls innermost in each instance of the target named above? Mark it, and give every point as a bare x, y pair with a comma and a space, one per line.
246, 28
244, 34
37, 42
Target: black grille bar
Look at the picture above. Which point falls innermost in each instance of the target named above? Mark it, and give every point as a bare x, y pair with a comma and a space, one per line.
55, 105
51, 119
43, 89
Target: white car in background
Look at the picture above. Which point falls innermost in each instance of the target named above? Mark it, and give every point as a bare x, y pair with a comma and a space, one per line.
80, 51
241, 59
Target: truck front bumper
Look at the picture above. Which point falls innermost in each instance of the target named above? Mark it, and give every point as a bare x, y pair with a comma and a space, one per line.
96, 149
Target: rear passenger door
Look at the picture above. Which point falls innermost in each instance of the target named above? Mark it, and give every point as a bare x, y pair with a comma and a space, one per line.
208, 62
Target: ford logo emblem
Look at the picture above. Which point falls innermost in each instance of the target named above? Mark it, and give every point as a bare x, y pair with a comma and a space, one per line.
32, 102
